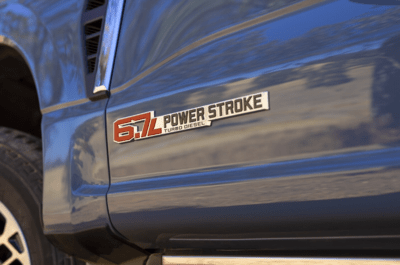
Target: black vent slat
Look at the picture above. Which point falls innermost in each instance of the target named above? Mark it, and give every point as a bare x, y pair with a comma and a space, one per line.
91, 65
93, 27
92, 4
92, 56
92, 45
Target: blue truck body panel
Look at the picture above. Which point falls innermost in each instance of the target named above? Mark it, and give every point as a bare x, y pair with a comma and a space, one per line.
323, 162
319, 170
48, 34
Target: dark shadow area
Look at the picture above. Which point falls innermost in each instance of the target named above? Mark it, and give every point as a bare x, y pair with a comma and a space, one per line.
19, 103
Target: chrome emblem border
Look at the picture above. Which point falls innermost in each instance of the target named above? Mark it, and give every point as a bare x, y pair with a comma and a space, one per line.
125, 130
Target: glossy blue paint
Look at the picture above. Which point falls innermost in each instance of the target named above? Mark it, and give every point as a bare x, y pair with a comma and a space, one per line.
322, 162
75, 173
76, 180
168, 26
359, 161
49, 36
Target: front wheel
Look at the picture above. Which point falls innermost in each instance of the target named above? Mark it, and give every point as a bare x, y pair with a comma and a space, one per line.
13, 247
21, 238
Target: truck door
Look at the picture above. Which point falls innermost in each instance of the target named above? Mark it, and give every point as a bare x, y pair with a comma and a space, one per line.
255, 124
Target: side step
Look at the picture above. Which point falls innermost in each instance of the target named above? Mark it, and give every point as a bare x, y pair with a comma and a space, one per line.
180, 260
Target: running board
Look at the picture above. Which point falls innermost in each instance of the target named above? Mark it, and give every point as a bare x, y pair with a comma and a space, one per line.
180, 260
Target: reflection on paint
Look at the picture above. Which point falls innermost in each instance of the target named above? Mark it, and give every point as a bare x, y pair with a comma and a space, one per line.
324, 147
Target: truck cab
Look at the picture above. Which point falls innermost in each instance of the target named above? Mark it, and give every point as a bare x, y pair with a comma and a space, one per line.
208, 132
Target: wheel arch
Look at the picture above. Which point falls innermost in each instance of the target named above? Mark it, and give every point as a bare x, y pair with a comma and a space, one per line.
18, 87
48, 37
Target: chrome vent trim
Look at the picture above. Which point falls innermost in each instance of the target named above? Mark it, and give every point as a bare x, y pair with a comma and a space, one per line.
176, 260
92, 32
93, 26
108, 45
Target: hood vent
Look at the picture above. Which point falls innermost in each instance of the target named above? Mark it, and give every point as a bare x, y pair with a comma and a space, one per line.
93, 23
92, 4
93, 27
91, 65
92, 33
92, 45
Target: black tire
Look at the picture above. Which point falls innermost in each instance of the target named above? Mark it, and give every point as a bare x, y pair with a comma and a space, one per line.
21, 193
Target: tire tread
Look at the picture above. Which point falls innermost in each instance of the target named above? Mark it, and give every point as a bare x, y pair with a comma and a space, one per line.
23, 154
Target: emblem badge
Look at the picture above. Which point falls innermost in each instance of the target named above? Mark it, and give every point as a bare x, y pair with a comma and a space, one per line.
125, 129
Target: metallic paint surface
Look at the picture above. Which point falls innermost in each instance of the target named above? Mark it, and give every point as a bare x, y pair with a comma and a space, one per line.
220, 34
323, 162
76, 180
75, 216
75, 172
49, 36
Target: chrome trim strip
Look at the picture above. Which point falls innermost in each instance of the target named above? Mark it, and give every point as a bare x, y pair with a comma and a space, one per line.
181, 260
218, 35
64, 105
286, 238
108, 45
